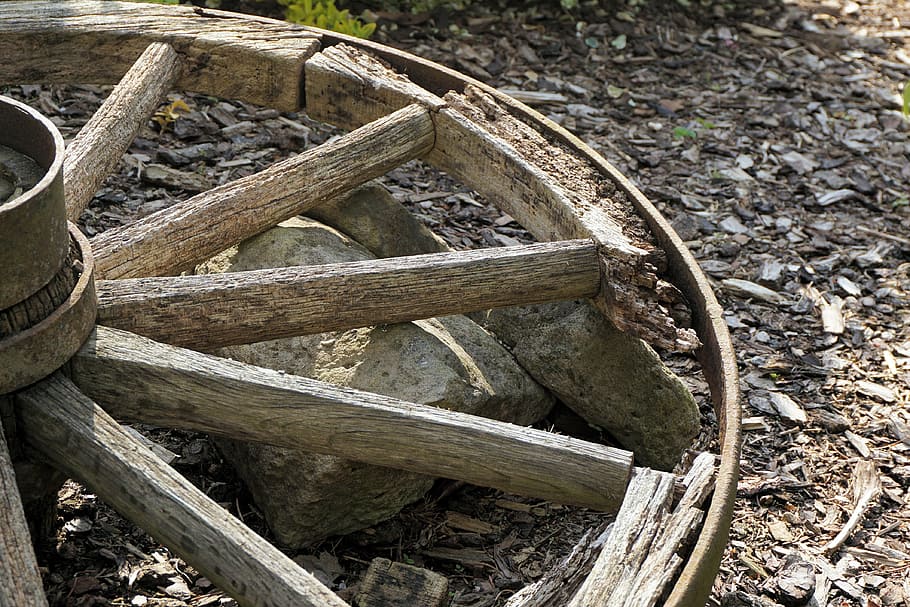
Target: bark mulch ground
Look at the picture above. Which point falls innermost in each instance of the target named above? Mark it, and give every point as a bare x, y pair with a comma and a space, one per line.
771, 135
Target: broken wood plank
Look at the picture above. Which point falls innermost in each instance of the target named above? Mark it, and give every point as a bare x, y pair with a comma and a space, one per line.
20, 580
128, 373
560, 583
175, 239
643, 553
209, 311
82, 440
388, 584
553, 193
253, 59
98, 147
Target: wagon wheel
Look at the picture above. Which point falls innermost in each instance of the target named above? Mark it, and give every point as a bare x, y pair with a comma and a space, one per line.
457, 124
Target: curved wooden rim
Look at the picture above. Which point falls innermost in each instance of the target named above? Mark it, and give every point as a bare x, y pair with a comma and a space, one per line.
37, 218
38, 351
716, 355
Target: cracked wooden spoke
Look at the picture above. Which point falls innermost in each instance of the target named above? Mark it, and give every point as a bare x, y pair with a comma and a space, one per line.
208, 311
83, 441
20, 581
98, 147
136, 378
177, 238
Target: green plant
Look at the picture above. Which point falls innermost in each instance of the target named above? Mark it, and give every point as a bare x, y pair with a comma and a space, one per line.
906, 106
681, 132
324, 14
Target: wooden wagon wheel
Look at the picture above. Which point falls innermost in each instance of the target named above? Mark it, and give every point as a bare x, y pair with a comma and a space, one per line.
397, 111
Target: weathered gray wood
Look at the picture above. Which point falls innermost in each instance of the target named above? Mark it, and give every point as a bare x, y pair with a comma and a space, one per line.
560, 583
33, 224
551, 192
143, 380
20, 581
209, 311
81, 439
83, 41
97, 149
642, 555
388, 584
176, 238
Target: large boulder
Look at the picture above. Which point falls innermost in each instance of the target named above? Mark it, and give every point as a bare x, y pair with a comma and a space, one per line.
615, 382
449, 362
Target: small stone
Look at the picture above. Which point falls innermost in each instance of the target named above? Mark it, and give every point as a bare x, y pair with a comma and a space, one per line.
795, 582
159, 174
732, 225
834, 423
800, 163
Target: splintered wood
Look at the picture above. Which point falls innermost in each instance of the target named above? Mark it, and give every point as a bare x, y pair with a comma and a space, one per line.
549, 190
643, 553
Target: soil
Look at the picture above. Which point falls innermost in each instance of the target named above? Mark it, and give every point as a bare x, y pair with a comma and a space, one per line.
769, 133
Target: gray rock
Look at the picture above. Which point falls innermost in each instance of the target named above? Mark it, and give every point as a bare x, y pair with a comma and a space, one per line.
449, 362
614, 381
372, 217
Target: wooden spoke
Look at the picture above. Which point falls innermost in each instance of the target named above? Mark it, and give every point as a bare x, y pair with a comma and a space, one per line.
177, 238
85, 41
82, 440
156, 383
20, 581
97, 148
551, 192
209, 311
643, 552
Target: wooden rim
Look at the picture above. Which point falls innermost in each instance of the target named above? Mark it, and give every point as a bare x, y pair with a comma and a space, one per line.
716, 355
36, 219
416, 117
39, 350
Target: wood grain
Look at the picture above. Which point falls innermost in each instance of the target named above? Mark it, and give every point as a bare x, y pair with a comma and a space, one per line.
82, 440
98, 147
552, 193
20, 581
143, 380
645, 549
175, 239
253, 59
209, 311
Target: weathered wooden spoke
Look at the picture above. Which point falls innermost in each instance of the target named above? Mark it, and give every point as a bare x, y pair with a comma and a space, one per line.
98, 147
610, 245
82, 440
213, 310
179, 237
127, 374
20, 581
